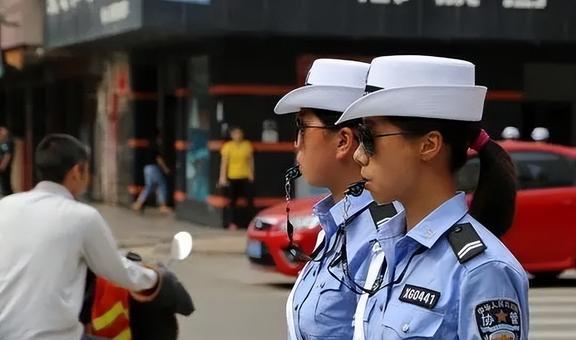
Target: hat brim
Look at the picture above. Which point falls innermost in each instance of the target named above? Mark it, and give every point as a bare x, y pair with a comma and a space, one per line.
463, 103
324, 97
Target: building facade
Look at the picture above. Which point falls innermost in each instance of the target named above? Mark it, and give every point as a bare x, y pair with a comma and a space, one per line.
190, 69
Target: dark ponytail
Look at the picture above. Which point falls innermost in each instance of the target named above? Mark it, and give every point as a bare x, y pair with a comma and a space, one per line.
494, 200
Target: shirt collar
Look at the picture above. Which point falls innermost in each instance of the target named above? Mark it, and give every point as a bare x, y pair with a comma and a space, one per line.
322, 211
53, 188
433, 226
355, 205
395, 226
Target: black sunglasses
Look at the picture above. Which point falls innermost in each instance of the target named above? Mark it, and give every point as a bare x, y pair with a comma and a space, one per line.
367, 139
301, 126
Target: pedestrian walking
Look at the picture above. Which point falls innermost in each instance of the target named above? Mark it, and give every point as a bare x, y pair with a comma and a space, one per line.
237, 173
155, 172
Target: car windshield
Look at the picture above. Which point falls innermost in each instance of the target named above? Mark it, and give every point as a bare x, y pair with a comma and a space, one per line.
534, 170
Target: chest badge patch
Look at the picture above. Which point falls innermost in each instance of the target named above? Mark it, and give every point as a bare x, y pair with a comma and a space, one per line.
498, 320
420, 296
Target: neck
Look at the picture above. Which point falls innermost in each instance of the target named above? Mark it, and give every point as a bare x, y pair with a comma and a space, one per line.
66, 184
425, 197
345, 177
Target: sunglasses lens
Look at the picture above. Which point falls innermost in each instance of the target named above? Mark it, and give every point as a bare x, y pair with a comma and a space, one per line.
366, 139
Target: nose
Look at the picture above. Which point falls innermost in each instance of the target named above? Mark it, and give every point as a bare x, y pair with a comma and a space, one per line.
360, 156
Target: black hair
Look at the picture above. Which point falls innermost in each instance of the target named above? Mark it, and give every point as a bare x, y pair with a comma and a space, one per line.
56, 155
494, 200
329, 118
234, 128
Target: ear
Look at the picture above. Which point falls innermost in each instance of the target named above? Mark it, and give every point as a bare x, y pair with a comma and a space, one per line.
76, 171
347, 143
431, 145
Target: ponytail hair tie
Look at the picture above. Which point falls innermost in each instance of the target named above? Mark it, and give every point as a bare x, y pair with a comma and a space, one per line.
481, 141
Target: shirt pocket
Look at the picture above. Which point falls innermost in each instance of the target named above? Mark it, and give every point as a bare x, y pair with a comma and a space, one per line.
411, 322
335, 307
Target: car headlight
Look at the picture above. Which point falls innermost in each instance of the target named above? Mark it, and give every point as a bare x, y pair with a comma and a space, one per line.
302, 222
265, 223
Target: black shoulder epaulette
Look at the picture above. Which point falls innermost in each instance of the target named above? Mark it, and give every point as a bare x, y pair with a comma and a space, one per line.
465, 242
381, 212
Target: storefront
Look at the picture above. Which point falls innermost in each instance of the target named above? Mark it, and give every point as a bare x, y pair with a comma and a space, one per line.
190, 69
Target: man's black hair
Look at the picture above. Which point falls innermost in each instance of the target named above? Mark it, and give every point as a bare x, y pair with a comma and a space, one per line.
56, 155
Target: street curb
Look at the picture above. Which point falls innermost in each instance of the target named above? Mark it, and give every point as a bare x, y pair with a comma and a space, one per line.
143, 244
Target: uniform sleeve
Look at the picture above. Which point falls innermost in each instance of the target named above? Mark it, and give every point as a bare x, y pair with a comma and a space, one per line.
102, 256
494, 303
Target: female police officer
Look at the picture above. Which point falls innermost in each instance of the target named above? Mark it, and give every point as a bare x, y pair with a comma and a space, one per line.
448, 277
322, 302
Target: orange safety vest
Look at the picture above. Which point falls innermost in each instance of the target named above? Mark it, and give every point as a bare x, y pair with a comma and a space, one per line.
110, 311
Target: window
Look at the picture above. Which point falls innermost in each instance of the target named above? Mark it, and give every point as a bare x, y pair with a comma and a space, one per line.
535, 170
543, 170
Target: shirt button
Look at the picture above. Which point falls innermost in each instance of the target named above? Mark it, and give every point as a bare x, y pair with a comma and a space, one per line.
381, 307
405, 328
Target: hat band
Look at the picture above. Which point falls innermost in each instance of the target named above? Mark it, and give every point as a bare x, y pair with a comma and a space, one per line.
371, 88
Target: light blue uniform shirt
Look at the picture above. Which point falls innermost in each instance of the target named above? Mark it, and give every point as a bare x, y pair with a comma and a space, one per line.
323, 307
440, 298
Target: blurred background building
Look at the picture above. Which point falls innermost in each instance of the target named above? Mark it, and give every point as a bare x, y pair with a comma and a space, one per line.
114, 72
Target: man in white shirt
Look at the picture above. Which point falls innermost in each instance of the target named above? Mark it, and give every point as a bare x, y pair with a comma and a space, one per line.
47, 242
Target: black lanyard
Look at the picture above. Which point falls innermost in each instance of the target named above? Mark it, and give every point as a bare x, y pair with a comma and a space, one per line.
377, 286
354, 189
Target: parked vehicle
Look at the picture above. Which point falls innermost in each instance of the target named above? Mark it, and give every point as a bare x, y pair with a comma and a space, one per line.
542, 237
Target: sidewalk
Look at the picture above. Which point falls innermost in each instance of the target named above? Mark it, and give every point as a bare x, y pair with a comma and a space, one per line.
152, 229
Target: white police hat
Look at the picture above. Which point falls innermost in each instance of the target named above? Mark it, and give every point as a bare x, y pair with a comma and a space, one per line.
420, 86
332, 84
510, 132
540, 134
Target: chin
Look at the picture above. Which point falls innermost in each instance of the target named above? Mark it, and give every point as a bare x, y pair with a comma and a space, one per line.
314, 181
380, 197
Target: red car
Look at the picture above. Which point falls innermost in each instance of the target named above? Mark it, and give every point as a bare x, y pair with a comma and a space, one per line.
543, 236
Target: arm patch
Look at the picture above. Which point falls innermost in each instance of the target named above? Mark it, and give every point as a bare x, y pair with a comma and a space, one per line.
498, 320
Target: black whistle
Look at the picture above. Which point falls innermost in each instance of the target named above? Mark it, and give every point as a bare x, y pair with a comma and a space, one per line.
355, 189
293, 173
